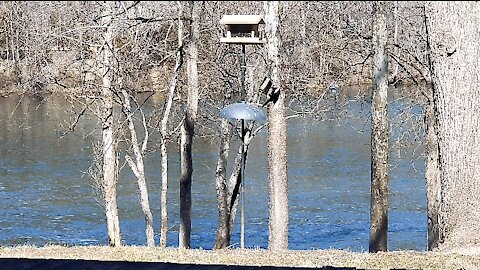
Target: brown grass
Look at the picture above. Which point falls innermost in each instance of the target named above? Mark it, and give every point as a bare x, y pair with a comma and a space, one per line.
255, 257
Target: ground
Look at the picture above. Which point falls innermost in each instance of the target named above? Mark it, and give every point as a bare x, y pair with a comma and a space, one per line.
459, 259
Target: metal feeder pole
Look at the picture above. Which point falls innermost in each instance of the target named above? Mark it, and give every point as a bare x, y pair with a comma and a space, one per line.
242, 190
242, 187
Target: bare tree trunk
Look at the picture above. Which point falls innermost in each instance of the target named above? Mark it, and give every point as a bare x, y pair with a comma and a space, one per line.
277, 139
138, 167
454, 39
379, 137
164, 131
432, 174
234, 185
187, 132
164, 189
432, 170
109, 185
223, 231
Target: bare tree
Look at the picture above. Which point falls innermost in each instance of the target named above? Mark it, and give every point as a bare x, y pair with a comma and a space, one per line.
110, 178
379, 138
164, 131
277, 137
453, 37
138, 166
188, 129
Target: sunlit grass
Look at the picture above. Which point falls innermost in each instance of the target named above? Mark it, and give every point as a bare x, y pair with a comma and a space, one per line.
253, 257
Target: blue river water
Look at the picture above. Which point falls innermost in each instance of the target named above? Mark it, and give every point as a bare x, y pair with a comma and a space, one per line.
48, 197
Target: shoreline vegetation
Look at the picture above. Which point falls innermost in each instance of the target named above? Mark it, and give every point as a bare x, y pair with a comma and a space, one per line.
452, 259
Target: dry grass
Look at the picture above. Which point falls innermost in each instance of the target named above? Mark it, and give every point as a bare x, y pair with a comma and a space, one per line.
256, 257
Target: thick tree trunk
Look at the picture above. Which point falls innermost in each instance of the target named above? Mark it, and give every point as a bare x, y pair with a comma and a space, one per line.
188, 130
432, 170
432, 174
379, 137
223, 231
164, 130
109, 181
453, 35
277, 140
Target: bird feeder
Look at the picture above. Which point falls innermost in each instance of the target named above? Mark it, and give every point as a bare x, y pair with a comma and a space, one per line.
243, 29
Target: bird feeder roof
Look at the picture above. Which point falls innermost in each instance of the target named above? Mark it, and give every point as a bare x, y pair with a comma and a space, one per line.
242, 19
243, 111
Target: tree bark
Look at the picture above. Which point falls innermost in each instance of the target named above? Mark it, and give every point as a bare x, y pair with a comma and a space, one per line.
432, 170
109, 181
188, 130
164, 130
432, 174
223, 231
277, 139
453, 37
379, 136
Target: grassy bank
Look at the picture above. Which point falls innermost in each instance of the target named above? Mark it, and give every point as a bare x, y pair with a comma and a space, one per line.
255, 257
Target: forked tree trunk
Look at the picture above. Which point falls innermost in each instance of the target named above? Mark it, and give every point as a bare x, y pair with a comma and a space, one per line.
164, 130
277, 139
188, 130
138, 167
228, 191
453, 35
109, 180
379, 137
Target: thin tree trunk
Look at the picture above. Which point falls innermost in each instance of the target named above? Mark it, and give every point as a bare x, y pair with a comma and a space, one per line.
277, 140
379, 137
109, 184
163, 139
187, 132
234, 186
138, 168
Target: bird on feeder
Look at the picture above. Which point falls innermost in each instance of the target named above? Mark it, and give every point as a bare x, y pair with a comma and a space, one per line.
270, 90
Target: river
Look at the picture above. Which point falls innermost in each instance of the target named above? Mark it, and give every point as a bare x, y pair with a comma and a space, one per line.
47, 196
